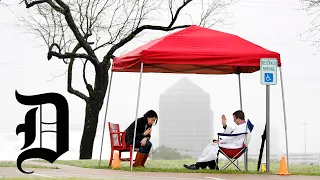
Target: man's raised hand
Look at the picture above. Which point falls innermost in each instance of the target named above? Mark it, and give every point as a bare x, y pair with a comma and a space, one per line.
223, 120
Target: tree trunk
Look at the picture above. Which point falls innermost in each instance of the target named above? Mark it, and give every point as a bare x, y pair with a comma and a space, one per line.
89, 130
93, 108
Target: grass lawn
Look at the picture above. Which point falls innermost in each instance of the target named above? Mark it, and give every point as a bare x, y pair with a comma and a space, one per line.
176, 166
24, 165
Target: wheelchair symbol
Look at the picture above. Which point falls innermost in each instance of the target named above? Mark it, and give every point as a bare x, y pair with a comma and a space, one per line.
268, 77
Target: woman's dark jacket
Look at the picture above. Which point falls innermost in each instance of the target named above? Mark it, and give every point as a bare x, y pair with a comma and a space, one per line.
142, 126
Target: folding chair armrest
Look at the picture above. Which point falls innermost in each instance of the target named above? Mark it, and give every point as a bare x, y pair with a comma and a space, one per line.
221, 134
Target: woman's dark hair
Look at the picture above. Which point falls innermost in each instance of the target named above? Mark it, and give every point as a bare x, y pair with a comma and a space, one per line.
151, 114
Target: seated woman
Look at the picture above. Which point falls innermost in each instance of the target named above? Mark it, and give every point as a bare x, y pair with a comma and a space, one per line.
143, 135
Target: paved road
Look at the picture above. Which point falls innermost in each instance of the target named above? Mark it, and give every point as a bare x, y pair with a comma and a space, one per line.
69, 171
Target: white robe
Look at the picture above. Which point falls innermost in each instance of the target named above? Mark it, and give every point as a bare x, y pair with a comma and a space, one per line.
209, 153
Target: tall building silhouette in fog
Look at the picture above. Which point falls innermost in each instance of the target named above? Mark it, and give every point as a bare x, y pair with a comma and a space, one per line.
186, 118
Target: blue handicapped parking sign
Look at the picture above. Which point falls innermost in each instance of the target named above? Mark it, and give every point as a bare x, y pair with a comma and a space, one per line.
268, 77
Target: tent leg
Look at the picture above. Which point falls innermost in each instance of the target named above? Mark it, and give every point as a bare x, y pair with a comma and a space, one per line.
240, 91
137, 108
105, 116
241, 107
285, 117
240, 95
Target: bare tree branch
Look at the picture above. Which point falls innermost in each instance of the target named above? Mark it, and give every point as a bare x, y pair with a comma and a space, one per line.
178, 11
70, 67
65, 10
124, 24
150, 27
171, 8
140, 29
56, 76
32, 3
50, 53
88, 86
52, 4
68, 55
310, 3
84, 44
313, 9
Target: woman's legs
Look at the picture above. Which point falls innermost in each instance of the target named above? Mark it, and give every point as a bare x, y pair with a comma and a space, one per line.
143, 149
143, 153
146, 149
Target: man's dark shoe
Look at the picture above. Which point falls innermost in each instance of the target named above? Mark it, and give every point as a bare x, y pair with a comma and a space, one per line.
214, 166
191, 167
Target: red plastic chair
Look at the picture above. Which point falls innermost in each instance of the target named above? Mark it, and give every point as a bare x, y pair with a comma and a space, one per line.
117, 142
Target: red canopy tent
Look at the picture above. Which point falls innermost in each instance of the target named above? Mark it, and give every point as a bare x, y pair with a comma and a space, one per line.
195, 50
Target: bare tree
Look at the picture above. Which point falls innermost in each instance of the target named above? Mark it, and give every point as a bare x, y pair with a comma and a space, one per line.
2, 4
313, 9
77, 29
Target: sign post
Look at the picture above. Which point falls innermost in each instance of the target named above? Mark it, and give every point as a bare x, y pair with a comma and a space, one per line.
268, 76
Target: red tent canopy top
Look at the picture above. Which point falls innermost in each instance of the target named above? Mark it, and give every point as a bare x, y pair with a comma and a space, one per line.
195, 50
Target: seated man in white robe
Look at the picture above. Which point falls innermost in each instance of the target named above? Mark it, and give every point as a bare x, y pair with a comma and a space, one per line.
209, 154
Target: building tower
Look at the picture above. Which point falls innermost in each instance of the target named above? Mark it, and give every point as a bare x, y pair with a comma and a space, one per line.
186, 123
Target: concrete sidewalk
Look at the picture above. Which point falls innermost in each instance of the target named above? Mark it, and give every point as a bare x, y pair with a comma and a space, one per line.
63, 171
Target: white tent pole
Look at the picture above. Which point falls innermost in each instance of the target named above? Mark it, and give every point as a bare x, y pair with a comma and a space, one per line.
285, 117
137, 108
105, 115
241, 107
240, 91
